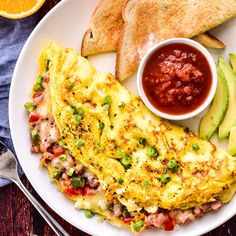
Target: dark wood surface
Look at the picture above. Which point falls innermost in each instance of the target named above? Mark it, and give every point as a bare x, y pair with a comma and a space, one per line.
19, 218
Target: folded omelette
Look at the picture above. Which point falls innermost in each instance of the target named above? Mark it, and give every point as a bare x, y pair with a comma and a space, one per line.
108, 153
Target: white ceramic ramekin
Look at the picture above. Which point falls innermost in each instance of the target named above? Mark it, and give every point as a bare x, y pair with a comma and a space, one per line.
210, 96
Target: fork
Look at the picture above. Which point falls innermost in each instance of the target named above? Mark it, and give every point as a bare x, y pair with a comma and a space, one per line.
8, 170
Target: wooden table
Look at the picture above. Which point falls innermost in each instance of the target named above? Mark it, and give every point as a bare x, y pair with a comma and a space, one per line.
19, 218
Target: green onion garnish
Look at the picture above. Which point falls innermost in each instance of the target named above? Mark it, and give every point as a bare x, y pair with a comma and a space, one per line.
78, 182
80, 111
101, 125
138, 225
70, 85
56, 174
146, 184
108, 99
105, 106
61, 143
34, 136
121, 105
70, 109
119, 153
195, 147
39, 79
29, 106
120, 180
100, 146
172, 164
80, 143
77, 118
89, 214
165, 178
142, 141
71, 172
125, 161
63, 157
152, 152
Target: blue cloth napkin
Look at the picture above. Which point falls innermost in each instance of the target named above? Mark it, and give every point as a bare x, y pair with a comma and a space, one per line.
13, 34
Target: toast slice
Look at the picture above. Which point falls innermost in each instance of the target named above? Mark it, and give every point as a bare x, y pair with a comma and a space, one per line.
148, 22
106, 25
105, 28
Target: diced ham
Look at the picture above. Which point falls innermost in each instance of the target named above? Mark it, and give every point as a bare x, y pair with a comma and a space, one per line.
34, 148
182, 217
117, 210
38, 97
156, 220
47, 77
216, 205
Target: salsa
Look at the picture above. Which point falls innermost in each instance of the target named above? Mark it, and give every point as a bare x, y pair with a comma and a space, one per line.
177, 79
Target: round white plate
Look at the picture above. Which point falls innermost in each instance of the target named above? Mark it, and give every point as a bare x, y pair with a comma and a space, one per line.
66, 24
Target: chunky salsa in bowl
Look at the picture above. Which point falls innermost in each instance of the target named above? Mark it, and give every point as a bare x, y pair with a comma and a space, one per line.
177, 79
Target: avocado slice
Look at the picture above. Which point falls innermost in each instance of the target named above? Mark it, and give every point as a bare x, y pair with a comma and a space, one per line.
232, 142
230, 117
232, 57
211, 121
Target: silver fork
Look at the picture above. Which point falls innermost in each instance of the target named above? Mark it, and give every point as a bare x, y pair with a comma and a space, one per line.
8, 170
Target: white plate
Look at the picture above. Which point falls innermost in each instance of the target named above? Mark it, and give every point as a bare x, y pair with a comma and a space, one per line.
66, 24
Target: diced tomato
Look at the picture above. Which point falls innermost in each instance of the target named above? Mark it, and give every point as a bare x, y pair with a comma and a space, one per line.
126, 220
169, 225
38, 97
57, 151
33, 117
87, 191
72, 191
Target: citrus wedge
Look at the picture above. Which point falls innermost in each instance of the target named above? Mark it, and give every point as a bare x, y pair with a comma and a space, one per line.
16, 9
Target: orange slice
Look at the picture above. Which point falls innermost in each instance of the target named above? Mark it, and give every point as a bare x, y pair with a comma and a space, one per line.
16, 9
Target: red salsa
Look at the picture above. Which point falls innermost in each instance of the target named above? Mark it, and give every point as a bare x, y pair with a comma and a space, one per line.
177, 79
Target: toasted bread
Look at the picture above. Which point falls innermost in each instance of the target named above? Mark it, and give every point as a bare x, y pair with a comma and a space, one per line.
148, 22
209, 41
105, 27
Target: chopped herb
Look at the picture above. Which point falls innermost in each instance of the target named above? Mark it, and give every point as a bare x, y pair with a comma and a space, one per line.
172, 164
56, 174
80, 143
101, 125
78, 182
71, 172
70, 85
100, 146
61, 143
152, 152
146, 184
142, 141
80, 111
39, 79
108, 100
195, 147
165, 178
89, 214
29, 106
138, 225
77, 118
70, 109
47, 64
121, 105
119, 153
105, 106
34, 136
120, 180
125, 161
63, 157
125, 212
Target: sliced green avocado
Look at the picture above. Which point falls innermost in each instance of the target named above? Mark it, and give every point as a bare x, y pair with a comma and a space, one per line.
211, 121
230, 117
232, 57
232, 142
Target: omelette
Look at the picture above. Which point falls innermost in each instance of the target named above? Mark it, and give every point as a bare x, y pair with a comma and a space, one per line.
111, 156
